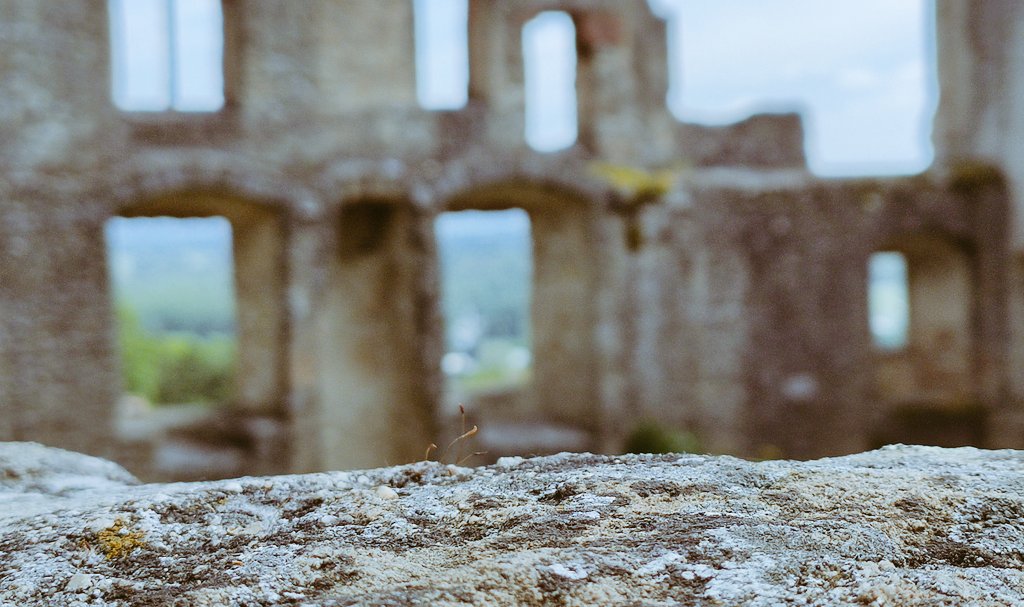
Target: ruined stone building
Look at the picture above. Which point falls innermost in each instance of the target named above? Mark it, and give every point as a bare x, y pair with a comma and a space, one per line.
733, 305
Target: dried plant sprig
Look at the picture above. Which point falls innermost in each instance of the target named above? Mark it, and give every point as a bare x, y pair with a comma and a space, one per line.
458, 438
473, 454
458, 459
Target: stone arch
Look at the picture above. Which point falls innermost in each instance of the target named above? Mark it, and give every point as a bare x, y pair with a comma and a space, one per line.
260, 274
210, 172
350, 180
566, 176
564, 226
932, 377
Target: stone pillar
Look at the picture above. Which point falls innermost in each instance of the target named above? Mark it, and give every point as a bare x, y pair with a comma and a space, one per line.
258, 242
374, 402
606, 84
981, 76
564, 313
59, 363
55, 89
307, 253
320, 57
56, 353
496, 78
275, 78
981, 119
364, 54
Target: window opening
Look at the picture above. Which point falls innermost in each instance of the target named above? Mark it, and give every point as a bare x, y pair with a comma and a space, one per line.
167, 55
889, 300
442, 53
486, 277
174, 295
549, 64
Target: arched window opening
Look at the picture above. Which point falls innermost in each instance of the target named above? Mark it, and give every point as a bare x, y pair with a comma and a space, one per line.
442, 53
167, 55
549, 64
174, 294
888, 300
486, 277
923, 288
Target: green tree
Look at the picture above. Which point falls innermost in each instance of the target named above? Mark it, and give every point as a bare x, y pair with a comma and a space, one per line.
175, 367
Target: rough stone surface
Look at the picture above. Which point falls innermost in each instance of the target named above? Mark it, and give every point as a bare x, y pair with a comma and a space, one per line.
898, 526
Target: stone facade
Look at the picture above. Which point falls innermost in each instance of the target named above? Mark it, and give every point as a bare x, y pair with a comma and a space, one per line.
733, 304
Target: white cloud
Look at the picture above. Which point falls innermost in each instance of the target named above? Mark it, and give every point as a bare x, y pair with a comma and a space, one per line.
860, 69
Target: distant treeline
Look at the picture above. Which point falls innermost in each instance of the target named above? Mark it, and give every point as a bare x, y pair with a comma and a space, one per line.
175, 368
488, 275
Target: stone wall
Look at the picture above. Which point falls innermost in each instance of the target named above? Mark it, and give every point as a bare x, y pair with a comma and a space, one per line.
731, 303
981, 117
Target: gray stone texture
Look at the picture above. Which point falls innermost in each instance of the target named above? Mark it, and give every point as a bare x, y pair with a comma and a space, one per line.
921, 526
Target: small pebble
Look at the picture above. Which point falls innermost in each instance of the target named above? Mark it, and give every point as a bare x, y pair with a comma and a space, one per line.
385, 492
509, 461
79, 582
567, 572
100, 523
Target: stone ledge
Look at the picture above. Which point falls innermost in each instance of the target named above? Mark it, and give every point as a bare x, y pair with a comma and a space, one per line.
898, 526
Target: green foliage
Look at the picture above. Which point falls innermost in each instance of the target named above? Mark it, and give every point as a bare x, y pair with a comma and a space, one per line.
175, 367
652, 437
494, 372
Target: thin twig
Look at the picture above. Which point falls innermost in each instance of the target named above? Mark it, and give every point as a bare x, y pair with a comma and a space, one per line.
462, 436
473, 454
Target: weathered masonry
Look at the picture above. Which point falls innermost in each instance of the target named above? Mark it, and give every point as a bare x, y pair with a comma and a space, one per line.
731, 302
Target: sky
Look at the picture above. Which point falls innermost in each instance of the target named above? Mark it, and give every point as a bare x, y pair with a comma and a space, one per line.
861, 73
146, 54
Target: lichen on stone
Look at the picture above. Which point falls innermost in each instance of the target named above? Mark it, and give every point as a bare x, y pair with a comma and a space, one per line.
117, 541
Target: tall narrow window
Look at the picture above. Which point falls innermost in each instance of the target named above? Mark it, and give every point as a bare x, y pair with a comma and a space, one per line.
442, 53
888, 300
174, 292
167, 55
486, 271
549, 58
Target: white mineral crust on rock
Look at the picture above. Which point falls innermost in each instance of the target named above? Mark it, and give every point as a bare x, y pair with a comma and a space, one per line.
899, 526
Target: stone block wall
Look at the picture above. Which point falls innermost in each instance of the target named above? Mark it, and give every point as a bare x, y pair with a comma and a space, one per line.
732, 305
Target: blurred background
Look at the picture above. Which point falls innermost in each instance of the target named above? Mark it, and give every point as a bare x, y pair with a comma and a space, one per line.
861, 75
658, 166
